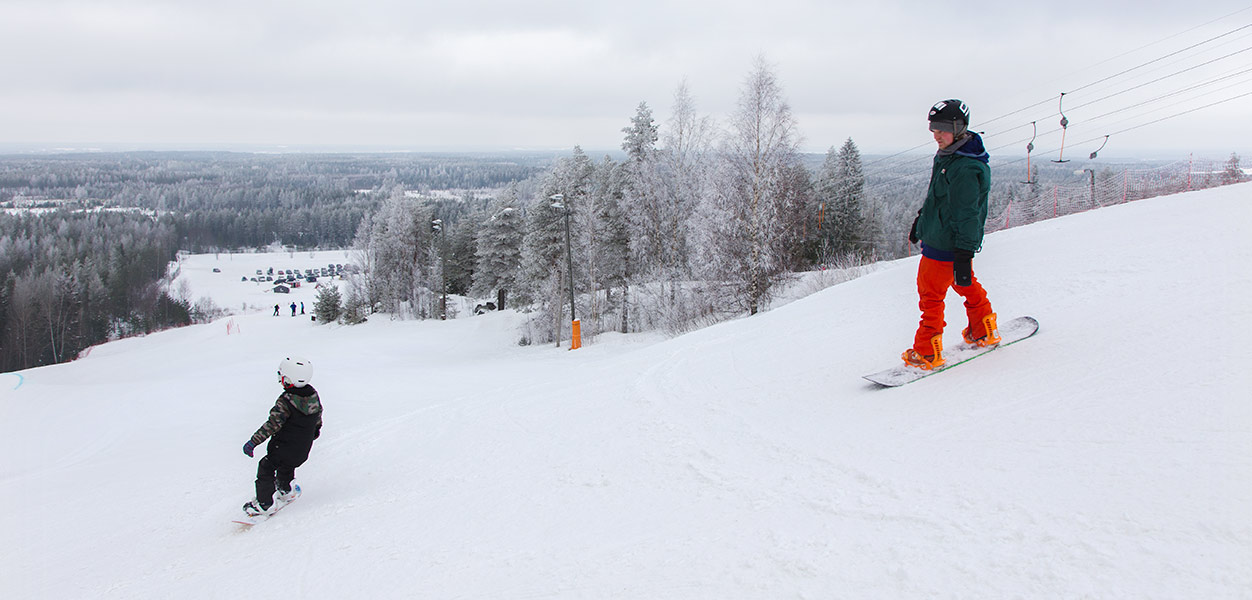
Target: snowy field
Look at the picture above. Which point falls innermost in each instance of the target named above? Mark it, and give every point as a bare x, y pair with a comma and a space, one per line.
1110, 456
228, 290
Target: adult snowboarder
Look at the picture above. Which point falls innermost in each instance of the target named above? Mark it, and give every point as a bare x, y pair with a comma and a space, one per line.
293, 424
949, 227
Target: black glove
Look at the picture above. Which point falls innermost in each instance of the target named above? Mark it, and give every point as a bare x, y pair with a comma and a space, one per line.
913, 231
963, 268
249, 447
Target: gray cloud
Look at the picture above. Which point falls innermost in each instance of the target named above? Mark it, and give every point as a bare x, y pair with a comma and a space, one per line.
560, 73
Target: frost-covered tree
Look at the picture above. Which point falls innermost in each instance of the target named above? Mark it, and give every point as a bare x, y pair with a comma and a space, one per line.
327, 307
686, 159
747, 238
396, 240
609, 243
845, 230
660, 190
499, 248
1233, 172
641, 135
643, 194
544, 267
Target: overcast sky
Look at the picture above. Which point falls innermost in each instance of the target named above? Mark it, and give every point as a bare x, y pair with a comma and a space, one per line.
552, 74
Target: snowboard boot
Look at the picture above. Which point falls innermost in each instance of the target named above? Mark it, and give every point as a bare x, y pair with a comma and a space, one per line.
254, 508
285, 496
926, 362
990, 339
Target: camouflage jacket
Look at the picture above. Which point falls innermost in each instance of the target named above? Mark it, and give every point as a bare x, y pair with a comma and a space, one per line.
301, 408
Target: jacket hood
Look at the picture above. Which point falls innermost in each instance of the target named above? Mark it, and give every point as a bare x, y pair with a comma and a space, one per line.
304, 399
974, 149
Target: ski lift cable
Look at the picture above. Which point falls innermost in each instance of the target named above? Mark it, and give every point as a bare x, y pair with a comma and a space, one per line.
1177, 92
1166, 118
1162, 107
1145, 46
1130, 107
1118, 93
1167, 38
1160, 58
1159, 79
1096, 118
1155, 60
1144, 124
1186, 62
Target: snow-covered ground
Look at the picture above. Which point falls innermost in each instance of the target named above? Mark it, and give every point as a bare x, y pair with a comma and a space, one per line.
231, 288
1110, 456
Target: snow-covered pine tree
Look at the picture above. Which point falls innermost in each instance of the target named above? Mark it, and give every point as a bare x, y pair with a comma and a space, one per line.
499, 248
641, 135
462, 249
611, 240
846, 231
327, 307
544, 267
642, 192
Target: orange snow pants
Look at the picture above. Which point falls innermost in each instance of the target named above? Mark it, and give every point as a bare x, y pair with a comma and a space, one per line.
934, 277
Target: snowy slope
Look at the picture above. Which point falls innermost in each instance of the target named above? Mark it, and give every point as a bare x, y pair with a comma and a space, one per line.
1109, 456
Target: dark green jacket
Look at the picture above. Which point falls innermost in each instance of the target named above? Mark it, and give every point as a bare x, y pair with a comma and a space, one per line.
955, 210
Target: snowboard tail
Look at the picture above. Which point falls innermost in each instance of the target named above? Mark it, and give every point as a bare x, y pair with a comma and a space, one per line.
1011, 332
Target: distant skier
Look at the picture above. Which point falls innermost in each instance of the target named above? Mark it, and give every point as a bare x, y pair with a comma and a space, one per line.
293, 424
293, 309
275, 310
301, 308
950, 229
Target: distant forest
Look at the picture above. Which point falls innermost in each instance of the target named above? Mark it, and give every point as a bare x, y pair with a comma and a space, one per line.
86, 239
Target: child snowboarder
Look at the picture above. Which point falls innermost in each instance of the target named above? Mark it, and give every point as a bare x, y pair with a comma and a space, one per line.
294, 422
949, 227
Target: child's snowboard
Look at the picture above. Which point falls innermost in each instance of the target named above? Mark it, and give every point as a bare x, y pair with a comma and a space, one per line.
1011, 332
248, 520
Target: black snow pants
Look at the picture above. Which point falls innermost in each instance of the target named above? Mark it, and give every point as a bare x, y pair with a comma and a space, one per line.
272, 475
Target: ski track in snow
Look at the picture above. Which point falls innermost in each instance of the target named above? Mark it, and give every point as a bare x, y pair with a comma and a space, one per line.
1108, 456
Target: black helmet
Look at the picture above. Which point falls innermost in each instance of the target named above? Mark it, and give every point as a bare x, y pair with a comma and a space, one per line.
949, 115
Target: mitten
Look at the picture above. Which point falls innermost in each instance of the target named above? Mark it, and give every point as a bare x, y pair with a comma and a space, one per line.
963, 268
248, 448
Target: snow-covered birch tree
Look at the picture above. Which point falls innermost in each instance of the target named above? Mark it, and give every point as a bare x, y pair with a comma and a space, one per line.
747, 238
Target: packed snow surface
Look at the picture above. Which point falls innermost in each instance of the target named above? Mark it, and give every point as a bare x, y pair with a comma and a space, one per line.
1109, 456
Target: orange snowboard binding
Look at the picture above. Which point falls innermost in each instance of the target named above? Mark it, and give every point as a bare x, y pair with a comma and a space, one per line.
990, 339
925, 362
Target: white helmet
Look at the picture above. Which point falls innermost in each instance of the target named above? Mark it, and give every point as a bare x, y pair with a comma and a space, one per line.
295, 372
